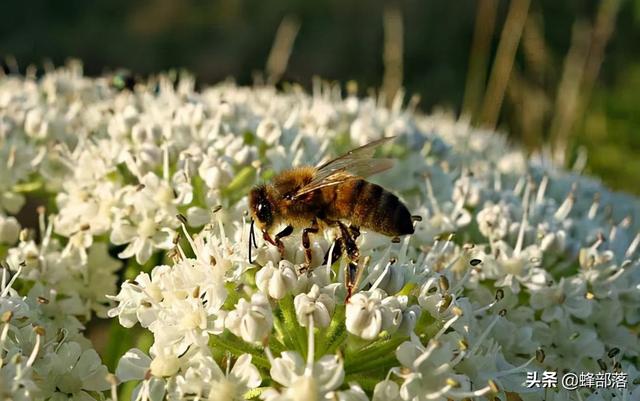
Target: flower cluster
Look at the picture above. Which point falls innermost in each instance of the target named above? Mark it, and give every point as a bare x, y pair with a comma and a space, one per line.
516, 265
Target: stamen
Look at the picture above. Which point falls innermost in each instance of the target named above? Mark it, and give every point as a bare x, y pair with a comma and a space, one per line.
615, 276
542, 189
4, 277
485, 308
446, 326
519, 186
270, 357
593, 210
165, 162
497, 181
516, 369
46, 238
183, 256
36, 348
113, 381
432, 198
223, 236
599, 241
460, 283
381, 277
633, 246
565, 208
144, 290
3, 338
11, 157
469, 394
13, 279
523, 222
433, 344
194, 248
438, 394
60, 338
308, 371
41, 220
484, 335
329, 256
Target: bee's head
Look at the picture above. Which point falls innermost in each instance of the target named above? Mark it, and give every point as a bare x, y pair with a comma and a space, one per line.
261, 207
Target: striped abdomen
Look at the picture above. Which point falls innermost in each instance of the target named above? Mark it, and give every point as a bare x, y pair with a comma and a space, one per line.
368, 206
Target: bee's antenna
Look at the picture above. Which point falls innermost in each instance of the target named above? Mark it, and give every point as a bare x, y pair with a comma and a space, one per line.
252, 239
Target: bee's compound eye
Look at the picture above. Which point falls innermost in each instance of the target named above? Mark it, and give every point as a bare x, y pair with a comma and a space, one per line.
259, 207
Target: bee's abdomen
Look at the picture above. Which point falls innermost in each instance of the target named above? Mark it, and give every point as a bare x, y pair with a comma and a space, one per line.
372, 207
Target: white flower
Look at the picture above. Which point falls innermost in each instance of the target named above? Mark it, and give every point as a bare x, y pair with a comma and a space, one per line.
269, 131
563, 300
494, 220
364, 315
9, 229
136, 365
513, 267
85, 208
430, 373
276, 282
133, 365
204, 379
73, 371
143, 234
137, 301
301, 383
315, 304
14, 383
164, 364
398, 315
559, 252
252, 321
386, 390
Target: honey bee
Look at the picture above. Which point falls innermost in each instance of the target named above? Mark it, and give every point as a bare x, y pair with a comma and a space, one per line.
326, 196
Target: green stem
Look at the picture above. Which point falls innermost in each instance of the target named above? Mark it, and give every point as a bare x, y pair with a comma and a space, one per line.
291, 326
367, 382
237, 347
335, 335
281, 331
374, 356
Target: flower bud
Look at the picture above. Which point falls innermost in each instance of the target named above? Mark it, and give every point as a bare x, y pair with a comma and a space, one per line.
314, 303
364, 314
9, 230
276, 282
386, 390
269, 131
252, 321
164, 365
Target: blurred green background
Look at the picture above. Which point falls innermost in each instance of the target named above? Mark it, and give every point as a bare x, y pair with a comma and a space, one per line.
562, 77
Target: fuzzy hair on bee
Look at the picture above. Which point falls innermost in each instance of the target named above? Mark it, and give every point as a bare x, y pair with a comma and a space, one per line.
330, 195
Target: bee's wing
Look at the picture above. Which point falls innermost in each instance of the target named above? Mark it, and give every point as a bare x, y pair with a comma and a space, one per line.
356, 163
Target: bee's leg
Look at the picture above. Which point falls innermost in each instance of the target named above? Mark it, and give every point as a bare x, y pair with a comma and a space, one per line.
355, 231
278, 242
350, 276
349, 242
306, 243
336, 253
352, 272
